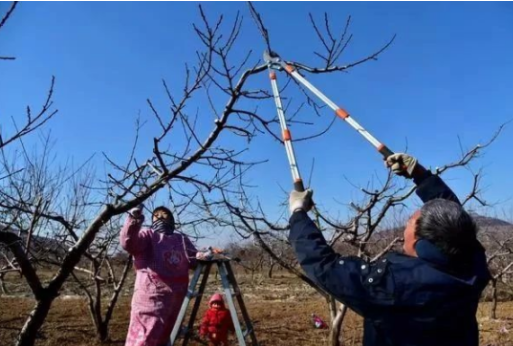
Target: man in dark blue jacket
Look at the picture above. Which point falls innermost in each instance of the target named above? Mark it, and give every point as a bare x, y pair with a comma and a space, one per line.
427, 296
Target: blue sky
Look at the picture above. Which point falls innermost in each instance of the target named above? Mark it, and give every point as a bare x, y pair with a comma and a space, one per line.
449, 73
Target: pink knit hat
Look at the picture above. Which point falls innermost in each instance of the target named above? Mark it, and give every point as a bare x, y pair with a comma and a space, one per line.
216, 298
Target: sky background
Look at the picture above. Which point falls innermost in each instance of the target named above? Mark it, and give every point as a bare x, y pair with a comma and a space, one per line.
448, 75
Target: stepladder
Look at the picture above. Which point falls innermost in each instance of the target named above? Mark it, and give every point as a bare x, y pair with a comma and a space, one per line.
182, 332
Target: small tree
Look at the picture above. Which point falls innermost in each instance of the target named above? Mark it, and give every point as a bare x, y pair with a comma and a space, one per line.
103, 277
500, 261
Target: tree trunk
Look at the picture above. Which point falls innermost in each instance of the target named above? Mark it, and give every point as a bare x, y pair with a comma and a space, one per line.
332, 306
337, 316
98, 309
46, 296
493, 311
336, 325
96, 316
104, 331
13, 242
2, 284
27, 335
270, 272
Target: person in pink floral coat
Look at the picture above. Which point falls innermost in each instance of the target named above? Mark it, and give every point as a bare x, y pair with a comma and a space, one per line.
162, 259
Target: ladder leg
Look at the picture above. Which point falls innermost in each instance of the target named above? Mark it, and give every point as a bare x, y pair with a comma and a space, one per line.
231, 305
242, 306
185, 304
197, 303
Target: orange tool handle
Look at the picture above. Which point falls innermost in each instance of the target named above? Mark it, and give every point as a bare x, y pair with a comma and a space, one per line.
298, 186
385, 151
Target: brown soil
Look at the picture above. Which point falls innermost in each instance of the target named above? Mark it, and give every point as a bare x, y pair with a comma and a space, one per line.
280, 311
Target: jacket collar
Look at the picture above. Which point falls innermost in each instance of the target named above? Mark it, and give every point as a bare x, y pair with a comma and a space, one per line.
429, 252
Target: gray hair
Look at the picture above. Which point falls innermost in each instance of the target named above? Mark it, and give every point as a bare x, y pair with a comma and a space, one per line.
449, 227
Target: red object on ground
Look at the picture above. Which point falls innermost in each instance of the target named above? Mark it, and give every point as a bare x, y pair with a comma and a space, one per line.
217, 323
318, 322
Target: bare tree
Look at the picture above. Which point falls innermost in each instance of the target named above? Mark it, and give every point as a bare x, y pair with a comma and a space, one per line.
15, 131
500, 261
65, 189
12, 133
4, 19
190, 160
254, 257
103, 278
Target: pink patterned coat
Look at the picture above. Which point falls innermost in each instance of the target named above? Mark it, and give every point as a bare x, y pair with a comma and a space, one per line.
162, 264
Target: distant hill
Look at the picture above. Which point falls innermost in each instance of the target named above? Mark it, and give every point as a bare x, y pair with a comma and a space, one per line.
486, 221
487, 225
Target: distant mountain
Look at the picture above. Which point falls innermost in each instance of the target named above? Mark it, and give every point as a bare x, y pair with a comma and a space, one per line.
487, 221
486, 225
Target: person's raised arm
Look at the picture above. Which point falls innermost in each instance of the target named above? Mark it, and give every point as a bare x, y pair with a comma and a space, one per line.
429, 186
131, 238
349, 279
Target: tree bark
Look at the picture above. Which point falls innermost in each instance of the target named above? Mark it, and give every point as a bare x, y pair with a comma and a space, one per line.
493, 310
270, 272
2, 284
104, 331
46, 296
13, 242
337, 316
28, 333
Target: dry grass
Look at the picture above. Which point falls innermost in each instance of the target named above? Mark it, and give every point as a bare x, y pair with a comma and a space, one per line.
280, 308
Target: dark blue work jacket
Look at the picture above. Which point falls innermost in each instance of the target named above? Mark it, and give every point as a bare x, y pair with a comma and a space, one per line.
405, 301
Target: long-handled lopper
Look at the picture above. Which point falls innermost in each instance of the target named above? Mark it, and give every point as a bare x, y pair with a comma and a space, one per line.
285, 132
275, 62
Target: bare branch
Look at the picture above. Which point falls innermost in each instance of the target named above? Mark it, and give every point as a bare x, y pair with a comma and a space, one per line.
260, 25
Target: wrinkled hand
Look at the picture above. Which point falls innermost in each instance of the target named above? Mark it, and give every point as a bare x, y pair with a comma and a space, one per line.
137, 212
300, 200
200, 256
402, 164
204, 255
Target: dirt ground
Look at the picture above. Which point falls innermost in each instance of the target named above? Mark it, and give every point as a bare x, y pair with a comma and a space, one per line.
280, 311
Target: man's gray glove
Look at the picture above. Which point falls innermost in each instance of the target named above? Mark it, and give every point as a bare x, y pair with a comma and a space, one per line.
402, 164
300, 201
